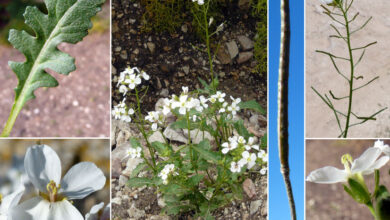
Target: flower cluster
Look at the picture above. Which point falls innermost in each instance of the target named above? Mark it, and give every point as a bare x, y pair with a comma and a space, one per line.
168, 170
242, 150
130, 78
122, 112
53, 200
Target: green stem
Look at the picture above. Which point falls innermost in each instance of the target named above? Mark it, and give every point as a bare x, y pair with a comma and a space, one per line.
16, 108
206, 23
372, 210
189, 142
352, 70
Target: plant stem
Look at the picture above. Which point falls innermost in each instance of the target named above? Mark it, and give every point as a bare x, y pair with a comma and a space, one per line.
16, 108
372, 210
208, 43
352, 69
283, 102
189, 143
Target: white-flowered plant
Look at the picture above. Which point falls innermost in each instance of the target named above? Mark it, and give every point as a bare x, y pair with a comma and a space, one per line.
353, 174
122, 112
54, 196
130, 78
212, 155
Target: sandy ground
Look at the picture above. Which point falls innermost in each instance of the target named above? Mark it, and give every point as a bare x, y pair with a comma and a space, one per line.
78, 107
321, 74
330, 201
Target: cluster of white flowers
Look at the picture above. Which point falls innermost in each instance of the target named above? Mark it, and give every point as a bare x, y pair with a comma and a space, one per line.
248, 158
133, 152
43, 168
130, 78
168, 169
122, 112
366, 164
156, 118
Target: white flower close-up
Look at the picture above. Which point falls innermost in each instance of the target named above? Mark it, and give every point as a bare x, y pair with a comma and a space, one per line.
9, 202
43, 167
364, 165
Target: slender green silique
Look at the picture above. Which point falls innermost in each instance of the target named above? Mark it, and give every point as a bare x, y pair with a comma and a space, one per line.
67, 21
343, 8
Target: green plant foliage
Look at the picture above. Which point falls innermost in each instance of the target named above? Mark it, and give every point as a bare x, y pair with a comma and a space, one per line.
162, 15
259, 11
67, 21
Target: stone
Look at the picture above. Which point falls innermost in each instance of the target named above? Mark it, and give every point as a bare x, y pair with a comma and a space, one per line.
164, 93
160, 217
159, 104
223, 55
184, 28
174, 135
244, 4
249, 188
186, 69
254, 207
244, 57
135, 213
156, 136
116, 200
123, 180
151, 46
123, 54
117, 156
232, 49
197, 136
131, 164
245, 42
160, 201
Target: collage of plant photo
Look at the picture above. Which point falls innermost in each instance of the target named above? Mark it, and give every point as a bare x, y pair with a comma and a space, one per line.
194, 110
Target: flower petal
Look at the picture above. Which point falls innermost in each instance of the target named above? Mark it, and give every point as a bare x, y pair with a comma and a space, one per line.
81, 180
64, 210
33, 209
378, 164
42, 164
93, 213
366, 160
327, 175
11, 200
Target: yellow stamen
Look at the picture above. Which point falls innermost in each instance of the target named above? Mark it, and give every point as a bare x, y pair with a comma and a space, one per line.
52, 189
1, 198
346, 159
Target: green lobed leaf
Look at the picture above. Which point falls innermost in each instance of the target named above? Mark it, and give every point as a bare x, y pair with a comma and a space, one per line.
67, 21
252, 105
194, 180
206, 154
134, 142
138, 182
138, 169
161, 148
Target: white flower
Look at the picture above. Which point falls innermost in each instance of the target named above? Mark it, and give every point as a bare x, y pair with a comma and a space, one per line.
131, 111
263, 171
96, 212
220, 96
262, 155
241, 140
133, 81
228, 147
9, 202
126, 118
155, 118
233, 108
168, 169
145, 75
194, 118
211, 21
235, 101
43, 168
185, 89
235, 167
384, 148
212, 99
200, 2
364, 165
134, 152
116, 113
219, 28
203, 101
248, 159
123, 89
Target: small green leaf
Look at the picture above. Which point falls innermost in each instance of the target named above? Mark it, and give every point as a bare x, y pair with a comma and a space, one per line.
359, 192
240, 128
179, 124
138, 182
161, 148
194, 180
263, 142
206, 154
134, 142
138, 169
252, 105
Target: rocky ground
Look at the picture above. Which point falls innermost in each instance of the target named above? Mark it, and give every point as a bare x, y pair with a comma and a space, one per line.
330, 201
321, 74
174, 60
